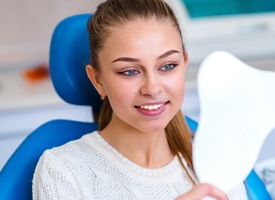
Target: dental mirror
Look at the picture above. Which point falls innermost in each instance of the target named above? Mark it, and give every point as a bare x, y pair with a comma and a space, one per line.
237, 112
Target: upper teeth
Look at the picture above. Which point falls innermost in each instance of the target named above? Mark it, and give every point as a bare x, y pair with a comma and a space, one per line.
151, 107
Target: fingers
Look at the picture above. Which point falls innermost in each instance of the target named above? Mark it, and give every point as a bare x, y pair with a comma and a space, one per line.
203, 190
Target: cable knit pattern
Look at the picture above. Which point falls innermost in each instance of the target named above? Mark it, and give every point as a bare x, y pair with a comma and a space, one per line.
89, 168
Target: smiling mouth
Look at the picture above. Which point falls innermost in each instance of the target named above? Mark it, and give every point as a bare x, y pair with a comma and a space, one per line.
152, 107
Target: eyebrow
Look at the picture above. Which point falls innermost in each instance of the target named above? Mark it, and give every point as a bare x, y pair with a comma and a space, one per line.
129, 59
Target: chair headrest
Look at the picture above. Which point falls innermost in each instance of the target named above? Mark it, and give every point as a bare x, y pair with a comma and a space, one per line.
69, 54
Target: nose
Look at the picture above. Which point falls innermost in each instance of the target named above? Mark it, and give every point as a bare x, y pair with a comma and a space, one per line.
151, 86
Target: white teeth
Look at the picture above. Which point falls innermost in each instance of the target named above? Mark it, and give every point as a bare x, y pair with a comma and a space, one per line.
151, 107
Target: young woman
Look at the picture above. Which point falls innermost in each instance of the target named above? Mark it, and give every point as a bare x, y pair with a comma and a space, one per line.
143, 147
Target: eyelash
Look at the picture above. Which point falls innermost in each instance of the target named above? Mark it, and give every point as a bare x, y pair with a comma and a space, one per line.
171, 65
130, 72
133, 72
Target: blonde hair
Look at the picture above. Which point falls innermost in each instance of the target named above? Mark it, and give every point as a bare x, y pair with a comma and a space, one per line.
113, 13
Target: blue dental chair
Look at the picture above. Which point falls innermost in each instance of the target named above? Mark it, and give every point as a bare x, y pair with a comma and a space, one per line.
69, 52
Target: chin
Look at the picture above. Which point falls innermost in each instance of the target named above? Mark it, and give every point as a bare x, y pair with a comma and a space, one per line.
153, 128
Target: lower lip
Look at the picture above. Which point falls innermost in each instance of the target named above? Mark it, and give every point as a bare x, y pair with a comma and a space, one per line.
152, 113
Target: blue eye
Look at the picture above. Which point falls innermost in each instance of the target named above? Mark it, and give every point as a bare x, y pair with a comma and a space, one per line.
168, 67
130, 72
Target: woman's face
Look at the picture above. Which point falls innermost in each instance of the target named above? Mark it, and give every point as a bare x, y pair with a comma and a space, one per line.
143, 73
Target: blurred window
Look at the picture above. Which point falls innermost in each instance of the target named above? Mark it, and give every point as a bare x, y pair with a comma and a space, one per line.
208, 8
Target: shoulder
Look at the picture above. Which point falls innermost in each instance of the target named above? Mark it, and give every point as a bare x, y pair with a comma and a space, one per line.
71, 152
60, 171
67, 161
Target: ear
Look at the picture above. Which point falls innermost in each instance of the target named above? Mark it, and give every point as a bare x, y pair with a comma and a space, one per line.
95, 79
186, 59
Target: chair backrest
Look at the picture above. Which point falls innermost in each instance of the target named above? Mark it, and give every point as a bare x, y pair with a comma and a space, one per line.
69, 52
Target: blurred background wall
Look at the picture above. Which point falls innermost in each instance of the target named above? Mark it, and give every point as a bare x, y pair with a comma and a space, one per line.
26, 27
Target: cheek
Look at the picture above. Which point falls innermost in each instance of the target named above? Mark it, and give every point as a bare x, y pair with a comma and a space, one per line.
120, 93
176, 85
176, 90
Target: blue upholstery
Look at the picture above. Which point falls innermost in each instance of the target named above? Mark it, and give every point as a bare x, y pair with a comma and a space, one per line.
255, 188
69, 52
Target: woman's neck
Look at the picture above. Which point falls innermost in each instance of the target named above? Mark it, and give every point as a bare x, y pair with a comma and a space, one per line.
148, 150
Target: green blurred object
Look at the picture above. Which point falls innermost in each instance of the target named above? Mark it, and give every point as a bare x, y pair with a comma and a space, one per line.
208, 8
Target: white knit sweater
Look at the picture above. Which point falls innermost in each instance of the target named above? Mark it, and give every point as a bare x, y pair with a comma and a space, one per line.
89, 168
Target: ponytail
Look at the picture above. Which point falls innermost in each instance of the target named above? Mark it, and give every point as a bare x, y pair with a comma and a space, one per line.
105, 115
179, 139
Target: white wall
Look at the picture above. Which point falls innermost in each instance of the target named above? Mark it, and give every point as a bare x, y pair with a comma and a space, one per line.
26, 27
